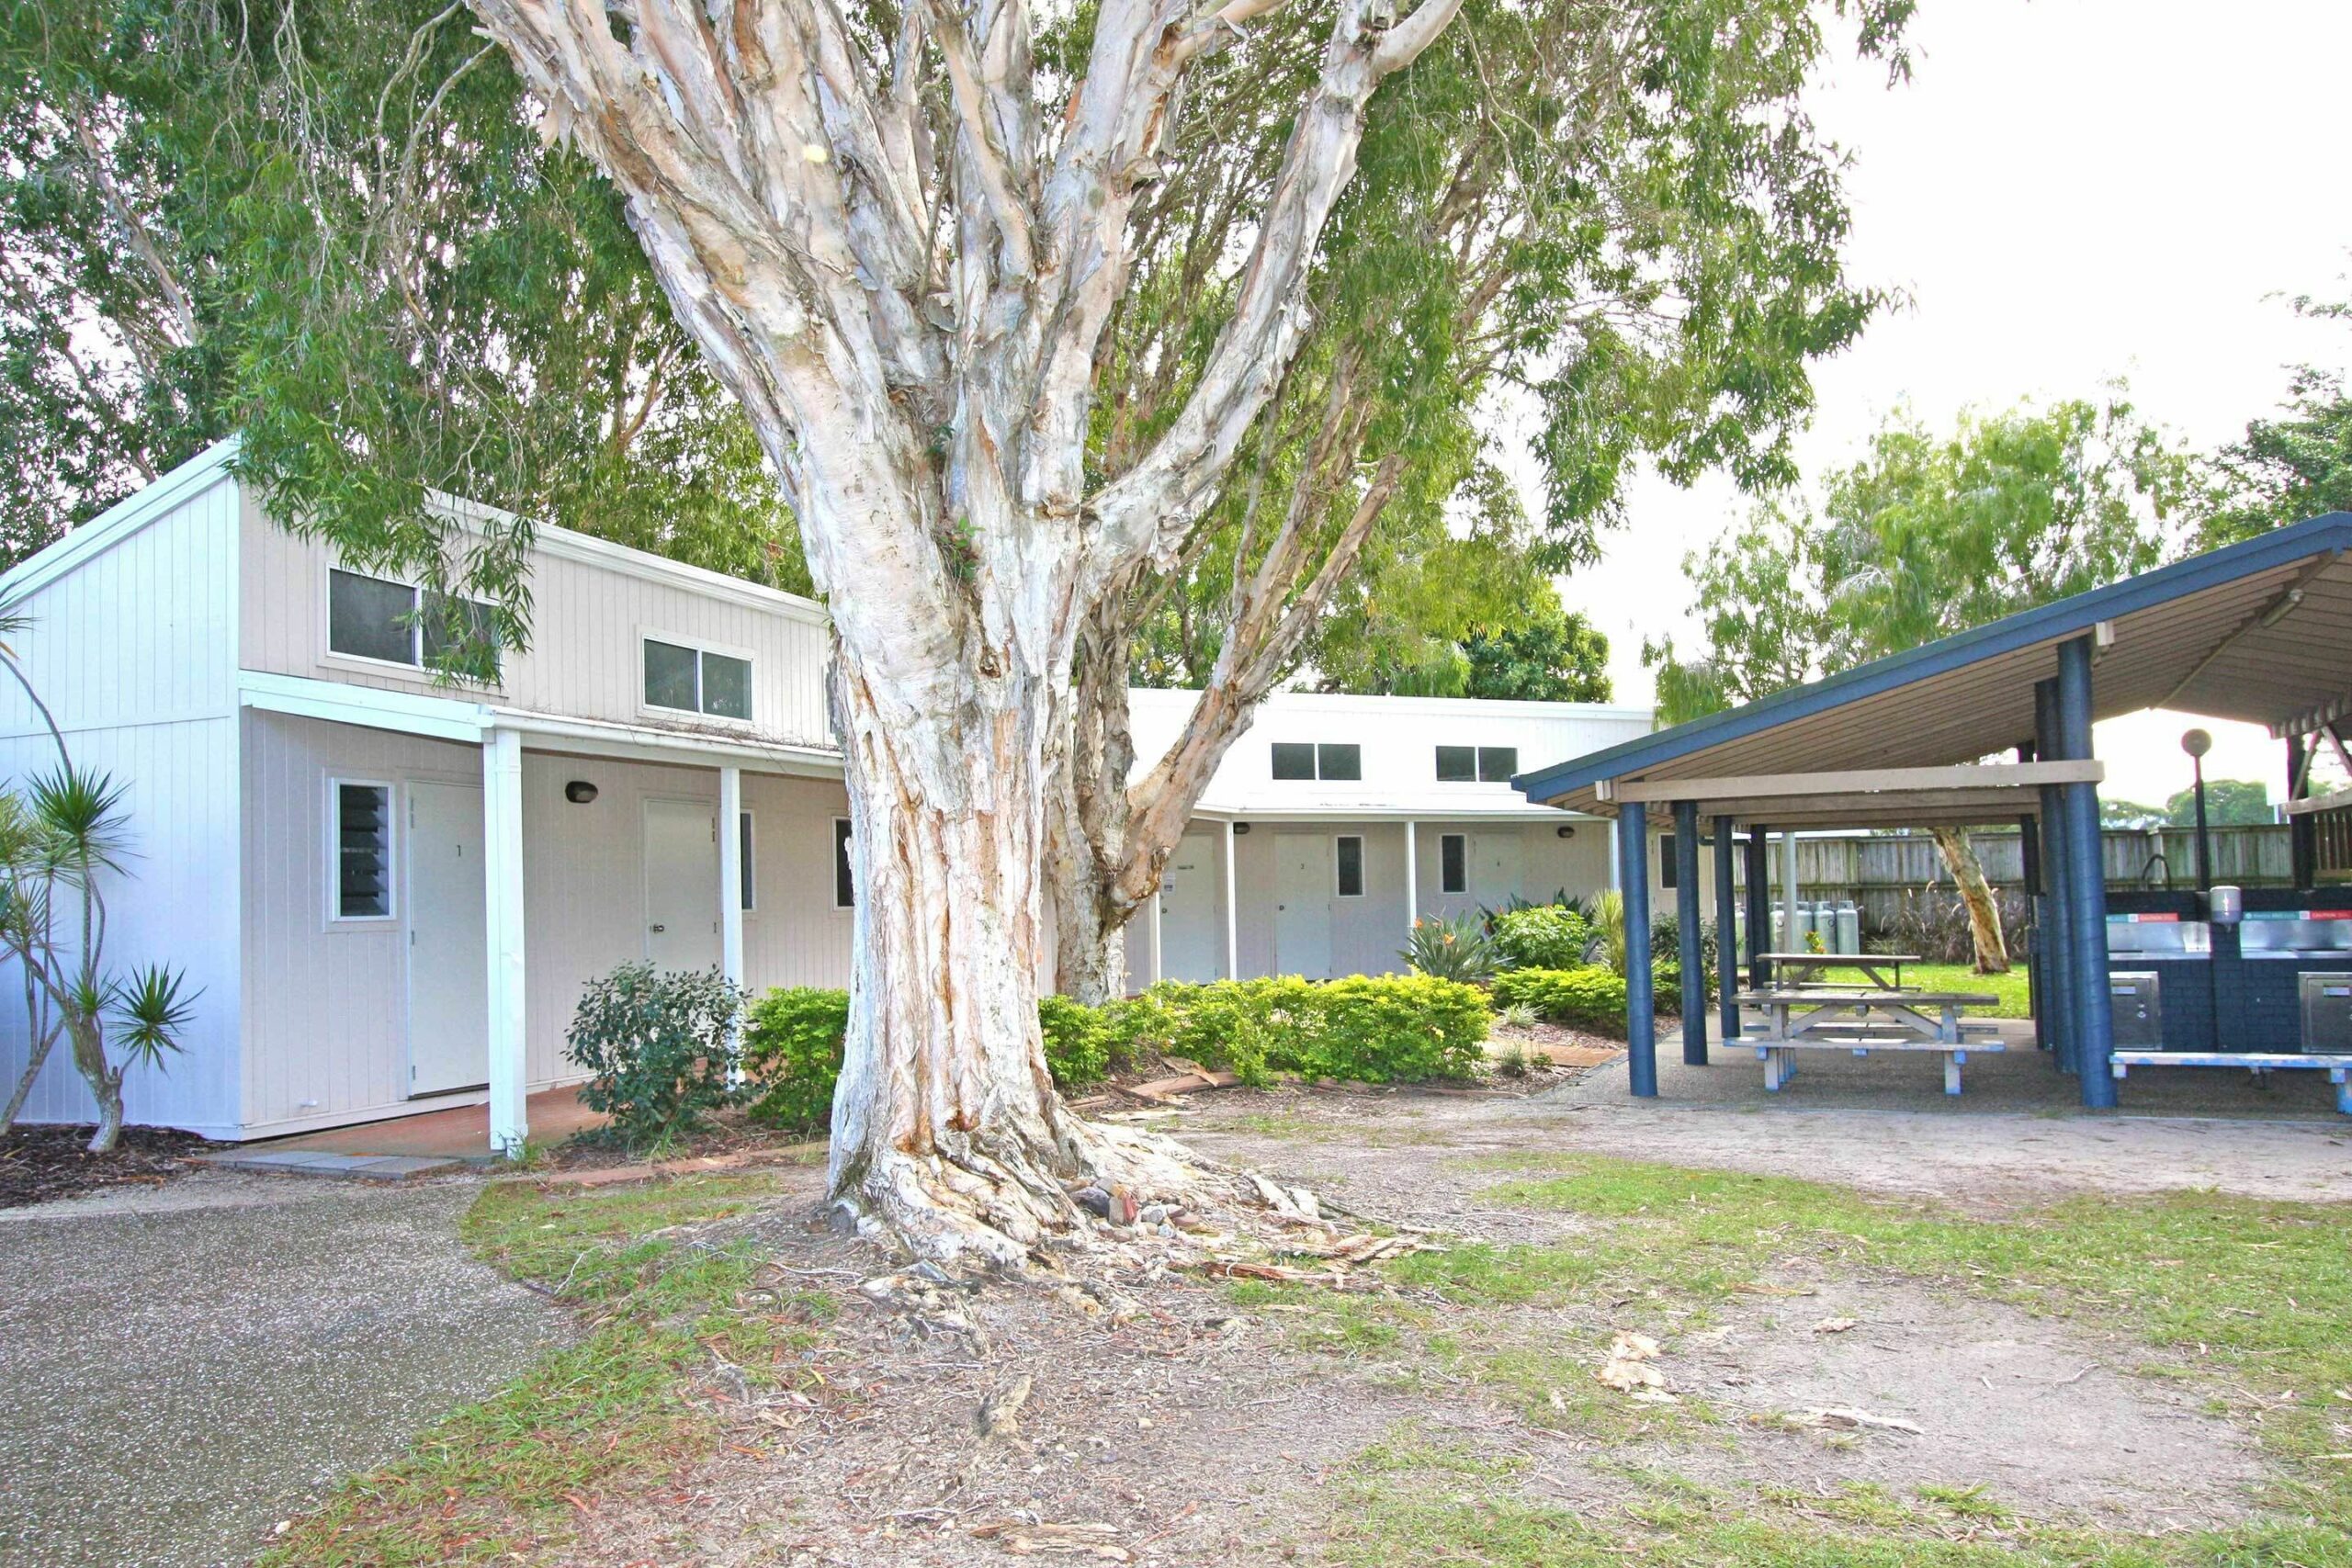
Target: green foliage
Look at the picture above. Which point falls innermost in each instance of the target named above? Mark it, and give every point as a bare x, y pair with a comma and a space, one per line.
1591, 998
793, 1042
659, 1048
1078, 1042
1926, 537
62, 841
1543, 936
1456, 949
1609, 922
336, 229
1372, 1029
2229, 803
792, 1053
1636, 225
1528, 648
2290, 468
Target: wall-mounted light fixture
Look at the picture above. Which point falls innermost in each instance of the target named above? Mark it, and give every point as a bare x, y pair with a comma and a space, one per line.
1240, 828
1564, 830
579, 792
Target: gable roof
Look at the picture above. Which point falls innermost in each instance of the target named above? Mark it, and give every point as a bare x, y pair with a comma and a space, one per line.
2259, 630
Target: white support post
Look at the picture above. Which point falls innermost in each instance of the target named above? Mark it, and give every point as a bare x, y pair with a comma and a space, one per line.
1616, 881
1790, 943
1412, 878
502, 803
1157, 974
731, 873
1232, 918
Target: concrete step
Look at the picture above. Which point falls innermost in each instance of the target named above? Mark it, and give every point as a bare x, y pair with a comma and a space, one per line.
347, 1167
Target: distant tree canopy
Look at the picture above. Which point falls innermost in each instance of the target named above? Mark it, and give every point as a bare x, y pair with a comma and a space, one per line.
2229, 803
333, 225
1926, 537
2288, 467
1533, 650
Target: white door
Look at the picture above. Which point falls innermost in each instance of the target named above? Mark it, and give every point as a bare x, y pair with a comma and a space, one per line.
1191, 936
448, 959
1303, 905
1494, 867
680, 884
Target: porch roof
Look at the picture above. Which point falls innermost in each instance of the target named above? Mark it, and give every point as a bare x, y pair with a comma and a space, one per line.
2258, 631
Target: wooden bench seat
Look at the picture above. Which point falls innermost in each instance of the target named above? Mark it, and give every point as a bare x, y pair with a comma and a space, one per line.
1779, 1063
2339, 1068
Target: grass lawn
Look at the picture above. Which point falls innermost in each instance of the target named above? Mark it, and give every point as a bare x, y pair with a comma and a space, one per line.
2243, 1302
2011, 987
2246, 1300
513, 1477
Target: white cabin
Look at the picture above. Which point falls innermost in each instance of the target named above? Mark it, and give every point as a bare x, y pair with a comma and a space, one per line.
390, 890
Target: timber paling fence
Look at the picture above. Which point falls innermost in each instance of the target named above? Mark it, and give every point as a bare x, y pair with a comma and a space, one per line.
1879, 872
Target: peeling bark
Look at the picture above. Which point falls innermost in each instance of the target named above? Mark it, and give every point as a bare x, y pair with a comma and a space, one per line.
908, 289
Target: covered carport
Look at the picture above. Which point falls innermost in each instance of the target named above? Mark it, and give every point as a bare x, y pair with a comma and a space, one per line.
1994, 725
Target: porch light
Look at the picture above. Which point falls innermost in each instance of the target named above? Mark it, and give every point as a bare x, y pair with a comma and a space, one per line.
579, 792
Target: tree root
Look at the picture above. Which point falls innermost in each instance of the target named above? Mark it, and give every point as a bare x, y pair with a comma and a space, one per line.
996, 1205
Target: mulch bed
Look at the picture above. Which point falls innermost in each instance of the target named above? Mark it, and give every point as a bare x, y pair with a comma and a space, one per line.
39, 1164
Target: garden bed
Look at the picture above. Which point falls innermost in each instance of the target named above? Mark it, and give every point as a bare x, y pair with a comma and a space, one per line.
39, 1164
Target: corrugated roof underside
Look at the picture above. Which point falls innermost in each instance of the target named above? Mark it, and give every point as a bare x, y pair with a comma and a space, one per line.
2204, 653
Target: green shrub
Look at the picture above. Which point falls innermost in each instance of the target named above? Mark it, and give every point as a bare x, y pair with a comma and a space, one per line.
1451, 950
1375, 1029
792, 1051
1589, 999
1543, 936
660, 1049
1077, 1042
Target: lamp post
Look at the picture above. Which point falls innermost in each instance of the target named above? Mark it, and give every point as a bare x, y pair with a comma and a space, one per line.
2196, 742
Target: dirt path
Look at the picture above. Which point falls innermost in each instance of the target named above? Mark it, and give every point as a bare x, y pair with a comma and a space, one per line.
187, 1365
1991, 1159
1199, 1430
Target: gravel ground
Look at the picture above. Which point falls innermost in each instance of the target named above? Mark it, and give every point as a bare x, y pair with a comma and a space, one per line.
183, 1366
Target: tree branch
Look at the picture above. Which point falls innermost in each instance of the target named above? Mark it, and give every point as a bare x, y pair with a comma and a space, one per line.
1148, 510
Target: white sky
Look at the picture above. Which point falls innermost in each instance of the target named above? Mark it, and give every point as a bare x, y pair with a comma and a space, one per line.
2070, 191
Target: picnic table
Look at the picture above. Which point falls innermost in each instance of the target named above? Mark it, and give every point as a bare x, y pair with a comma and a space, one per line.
1875, 968
1862, 1020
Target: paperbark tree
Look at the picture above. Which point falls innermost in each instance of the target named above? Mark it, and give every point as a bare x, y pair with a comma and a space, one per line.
899, 241
1612, 223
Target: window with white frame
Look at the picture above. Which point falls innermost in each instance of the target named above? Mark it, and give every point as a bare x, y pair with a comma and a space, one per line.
398, 623
743, 842
1348, 859
696, 680
1295, 760
1453, 863
1477, 764
362, 835
845, 885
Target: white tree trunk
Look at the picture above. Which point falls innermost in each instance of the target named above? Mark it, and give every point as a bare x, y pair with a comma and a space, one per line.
923, 385
1984, 909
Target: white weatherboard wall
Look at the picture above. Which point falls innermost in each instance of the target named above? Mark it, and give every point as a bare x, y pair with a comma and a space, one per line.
590, 604
327, 1028
326, 1014
134, 649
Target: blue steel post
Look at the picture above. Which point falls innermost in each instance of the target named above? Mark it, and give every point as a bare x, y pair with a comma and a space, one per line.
2086, 895
1726, 934
1759, 904
1641, 1015
1687, 912
2050, 923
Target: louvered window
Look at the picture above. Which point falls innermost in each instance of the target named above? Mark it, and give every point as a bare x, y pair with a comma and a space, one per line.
362, 843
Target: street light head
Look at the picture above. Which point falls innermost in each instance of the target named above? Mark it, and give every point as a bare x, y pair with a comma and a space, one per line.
2196, 742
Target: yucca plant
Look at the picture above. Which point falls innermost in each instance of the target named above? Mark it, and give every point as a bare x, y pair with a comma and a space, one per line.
60, 837
1609, 921
1451, 950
